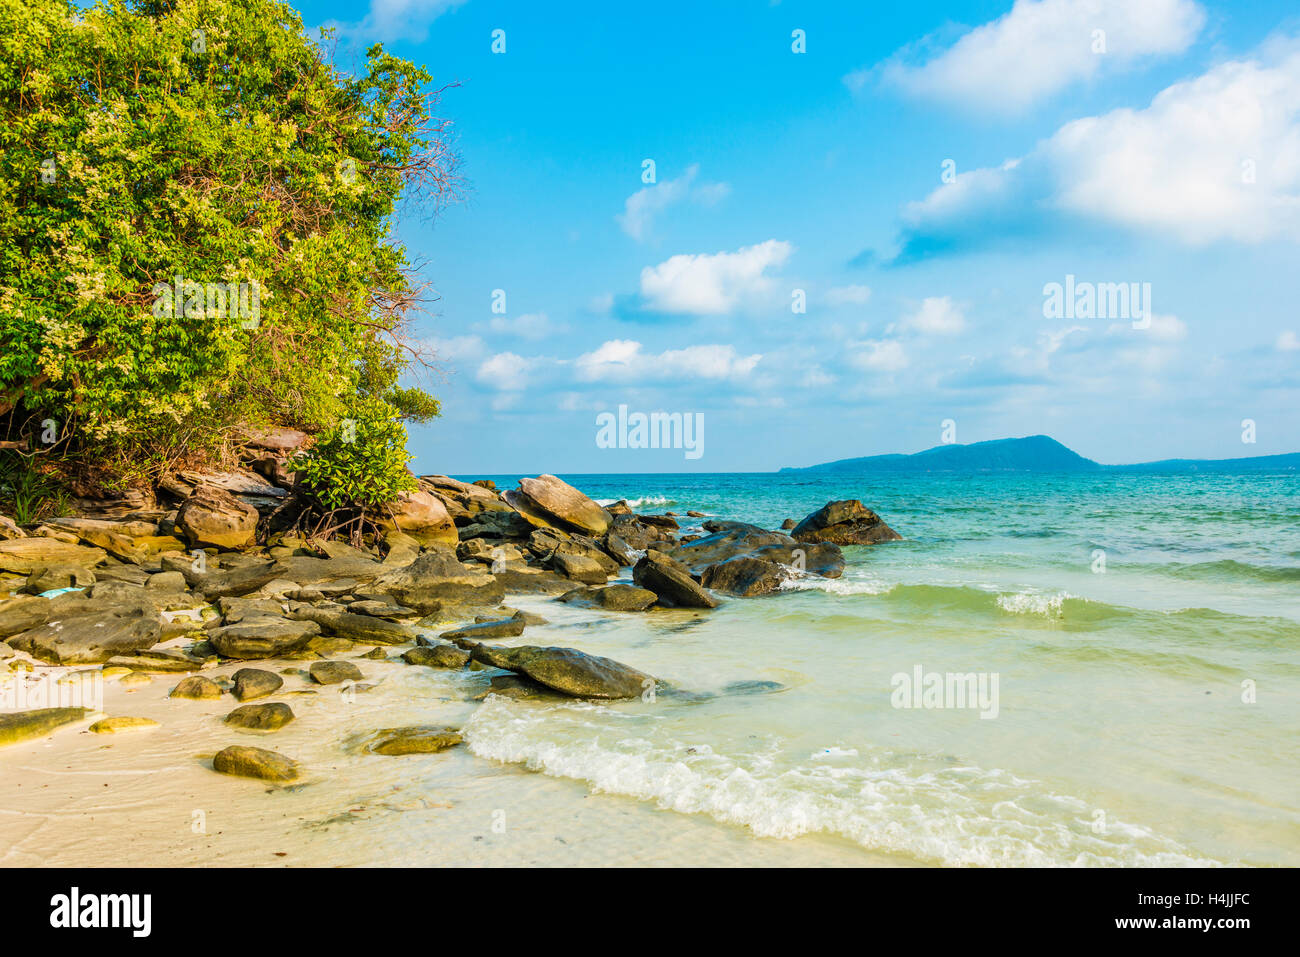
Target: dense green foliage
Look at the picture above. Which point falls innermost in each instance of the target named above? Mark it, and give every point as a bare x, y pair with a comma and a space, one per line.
205, 148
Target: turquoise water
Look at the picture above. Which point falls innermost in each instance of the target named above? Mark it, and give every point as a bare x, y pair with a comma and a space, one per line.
1143, 632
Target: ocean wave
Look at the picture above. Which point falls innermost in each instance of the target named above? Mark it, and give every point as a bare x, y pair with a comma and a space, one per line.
1034, 603
1228, 569
655, 500
954, 815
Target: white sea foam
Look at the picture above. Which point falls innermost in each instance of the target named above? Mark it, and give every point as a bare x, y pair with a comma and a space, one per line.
950, 815
839, 586
1033, 603
642, 502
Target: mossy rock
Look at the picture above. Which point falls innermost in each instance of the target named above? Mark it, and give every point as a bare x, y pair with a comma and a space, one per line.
256, 763
25, 725
123, 723
417, 740
261, 717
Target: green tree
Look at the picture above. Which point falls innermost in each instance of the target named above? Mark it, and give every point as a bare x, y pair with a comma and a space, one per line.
209, 149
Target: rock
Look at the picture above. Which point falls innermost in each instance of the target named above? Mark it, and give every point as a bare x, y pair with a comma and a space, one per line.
364, 628
234, 610
280, 440
500, 628
421, 515
402, 548
166, 581
693, 514
24, 725
619, 550
9, 529
255, 763
419, 740
788, 524
196, 688
745, 576
261, 717
213, 516
380, 609
729, 540
437, 656
846, 522
226, 582
616, 597
263, 637
335, 672
568, 671
118, 538
318, 571
548, 501
436, 579
637, 534
579, 568
59, 576
123, 723
524, 579
659, 521
251, 683
520, 688
158, 662
90, 638
26, 555
671, 581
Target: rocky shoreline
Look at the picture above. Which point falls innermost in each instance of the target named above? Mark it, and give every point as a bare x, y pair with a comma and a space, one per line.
211, 585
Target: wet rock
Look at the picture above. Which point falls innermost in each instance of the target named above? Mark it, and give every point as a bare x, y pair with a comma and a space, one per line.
616, 597
196, 688
659, 521
263, 637
568, 670
619, 550
335, 672
158, 662
329, 645
671, 581
846, 522
730, 540
25, 725
579, 568
417, 740
261, 717
746, 577
252, 683
693, 514
519, 578
788, 524
123, 723
437, 656
499, 628
519, 688
256, 763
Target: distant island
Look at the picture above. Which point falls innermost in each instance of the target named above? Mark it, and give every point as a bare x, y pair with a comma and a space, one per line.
1036, 453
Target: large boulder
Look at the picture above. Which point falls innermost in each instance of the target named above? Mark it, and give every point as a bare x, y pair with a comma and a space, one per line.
568, 671
91, 638
423, 516
847, 522
213, 516
745, 576
671, 581
548, 501
437, 579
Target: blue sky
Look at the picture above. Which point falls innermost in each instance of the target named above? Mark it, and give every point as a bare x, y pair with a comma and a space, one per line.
1164, 150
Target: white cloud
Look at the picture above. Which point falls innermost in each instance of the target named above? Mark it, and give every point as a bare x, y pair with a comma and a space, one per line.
1163, 327
936, 316
1213, 158
713, 284
390, 20
848, 295
883, 355
458, 347
623, 360
505, 371
642, 206
1039, 48
532, 325
1288, 341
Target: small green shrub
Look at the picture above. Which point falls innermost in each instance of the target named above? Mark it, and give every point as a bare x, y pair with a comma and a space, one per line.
360, 463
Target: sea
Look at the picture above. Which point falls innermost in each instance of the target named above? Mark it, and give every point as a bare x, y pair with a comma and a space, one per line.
1082, 669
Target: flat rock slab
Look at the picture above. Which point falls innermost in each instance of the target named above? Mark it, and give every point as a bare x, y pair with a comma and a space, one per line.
261, 717
418, 740
365, 628
26, 555
90, 638
335, 672
501, 628
616, 597
24, 725
251, 683
256, 763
